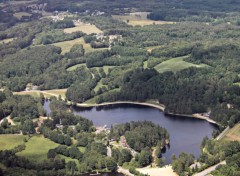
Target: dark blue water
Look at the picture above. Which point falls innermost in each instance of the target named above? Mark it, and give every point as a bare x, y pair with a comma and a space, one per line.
186, 133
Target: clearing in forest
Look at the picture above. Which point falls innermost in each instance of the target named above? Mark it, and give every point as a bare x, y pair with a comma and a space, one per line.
73, 68
83, 27
9, 141
6, 40
67, 45
233, 134
37, 148
176, 64
139, 18
19, 15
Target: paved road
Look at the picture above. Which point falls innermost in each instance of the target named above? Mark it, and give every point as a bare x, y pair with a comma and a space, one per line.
209, 170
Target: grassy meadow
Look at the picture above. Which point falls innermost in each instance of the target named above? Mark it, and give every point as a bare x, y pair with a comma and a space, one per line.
139, 18
233, 134
19, 15
6, 40
37, 148
72, 68
83, 27
175, 65
9, 141
67, 45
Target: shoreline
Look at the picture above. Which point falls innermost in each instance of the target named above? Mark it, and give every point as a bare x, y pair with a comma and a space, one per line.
160, 107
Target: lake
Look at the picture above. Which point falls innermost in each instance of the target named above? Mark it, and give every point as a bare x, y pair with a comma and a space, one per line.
186, 133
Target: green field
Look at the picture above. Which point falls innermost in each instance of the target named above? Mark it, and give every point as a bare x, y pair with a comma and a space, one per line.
67, 45
233, 134
83, 27
175, 65
139, 18
37, 148
9, 141
75, 67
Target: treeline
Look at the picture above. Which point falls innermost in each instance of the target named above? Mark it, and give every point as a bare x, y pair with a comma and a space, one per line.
54, 38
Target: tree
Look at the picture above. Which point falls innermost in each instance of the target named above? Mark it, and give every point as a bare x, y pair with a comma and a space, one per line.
110, 164
28, 127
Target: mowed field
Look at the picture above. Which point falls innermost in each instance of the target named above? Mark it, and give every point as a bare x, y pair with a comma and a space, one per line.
233, 134
139, 18
37, 148
175, 65
67, 45
83, 27
9, 141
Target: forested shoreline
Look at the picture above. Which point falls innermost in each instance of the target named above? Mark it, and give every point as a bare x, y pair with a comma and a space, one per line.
183, 55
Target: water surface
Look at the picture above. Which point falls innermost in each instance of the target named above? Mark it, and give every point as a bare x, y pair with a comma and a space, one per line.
186, 133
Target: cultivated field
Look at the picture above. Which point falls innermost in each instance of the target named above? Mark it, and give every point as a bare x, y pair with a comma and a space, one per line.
67, 45
175, 65
139, 18
37, 148
9, 141
83, 27
233, 134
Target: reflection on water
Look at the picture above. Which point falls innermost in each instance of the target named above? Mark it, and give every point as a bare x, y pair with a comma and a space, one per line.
186, 133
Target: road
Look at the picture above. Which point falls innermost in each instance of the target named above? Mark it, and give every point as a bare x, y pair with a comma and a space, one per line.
210, 169
109, 151
220, 136
124, 171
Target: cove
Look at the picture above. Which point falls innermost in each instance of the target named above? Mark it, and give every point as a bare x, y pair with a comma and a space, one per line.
186, 133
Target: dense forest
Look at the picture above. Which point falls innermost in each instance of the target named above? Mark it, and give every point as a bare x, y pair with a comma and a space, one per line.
181, 54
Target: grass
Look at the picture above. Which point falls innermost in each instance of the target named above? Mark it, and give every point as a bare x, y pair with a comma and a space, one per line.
94, 99
75, 67
67, 45
37, 148
145, 64
98, 86
82, 149
9, 141
19, 15
139, 18
32, 93
83, 27
233, 134
61, 92
175, 65
6, 40
67, 159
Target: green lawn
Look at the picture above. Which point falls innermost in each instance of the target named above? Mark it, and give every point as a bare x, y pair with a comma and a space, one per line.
75, 67
9, 141
37, 148
175, 65
67, 159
